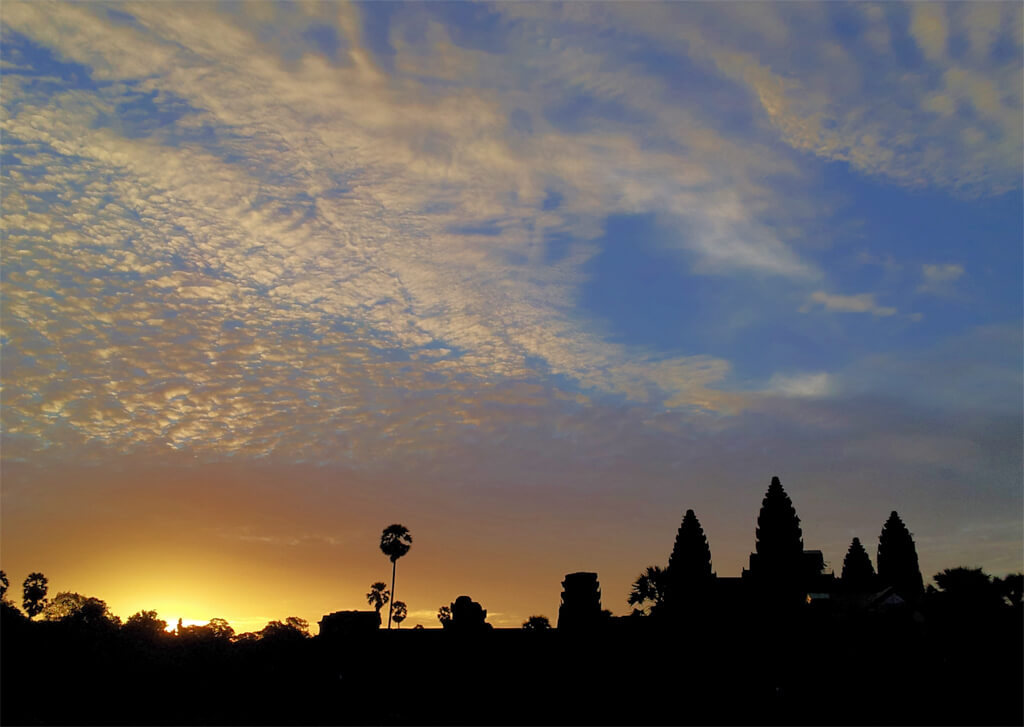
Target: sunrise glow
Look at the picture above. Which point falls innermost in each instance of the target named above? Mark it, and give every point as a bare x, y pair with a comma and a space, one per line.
531, 279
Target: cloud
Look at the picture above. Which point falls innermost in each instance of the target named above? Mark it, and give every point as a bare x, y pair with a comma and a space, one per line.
929, 28
311, 237
942, 273
297, 212
978, 370
950, 122
939, 277
860, 303
806, 385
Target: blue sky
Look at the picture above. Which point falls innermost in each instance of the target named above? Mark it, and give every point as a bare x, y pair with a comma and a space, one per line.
501, 243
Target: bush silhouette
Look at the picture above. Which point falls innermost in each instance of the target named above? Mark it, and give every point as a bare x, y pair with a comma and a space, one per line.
537, 623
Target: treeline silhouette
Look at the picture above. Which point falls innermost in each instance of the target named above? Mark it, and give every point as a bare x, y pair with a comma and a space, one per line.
784, 643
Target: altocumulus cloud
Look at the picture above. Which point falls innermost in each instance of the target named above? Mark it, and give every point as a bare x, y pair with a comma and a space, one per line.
296, 236
220, 240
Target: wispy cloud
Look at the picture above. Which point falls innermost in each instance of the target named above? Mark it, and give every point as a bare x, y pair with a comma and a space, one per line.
804, 385
316, 249
348, 200
860, 303
951, 121
938, 278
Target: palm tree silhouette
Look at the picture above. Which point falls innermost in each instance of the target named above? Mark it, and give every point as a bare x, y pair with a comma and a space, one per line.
378, 595
395, 542
649, 588
399, 610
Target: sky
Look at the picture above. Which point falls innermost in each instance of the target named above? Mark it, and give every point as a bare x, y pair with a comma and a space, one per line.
531, 279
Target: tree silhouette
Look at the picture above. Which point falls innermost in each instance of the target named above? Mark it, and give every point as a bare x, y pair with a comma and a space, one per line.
145, 625
1011, 588
969, 589
649, 588
537, 623
858, 573
378, 595
4, 583
79, 609
221, 629
897, 559
292, 629
689, 566
444, 615
395, 542
35, 589
398, 612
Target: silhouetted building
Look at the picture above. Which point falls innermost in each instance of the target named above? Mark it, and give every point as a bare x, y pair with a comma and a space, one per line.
581, 601
468, 616
858, 573
346, 624
781, 571
689, 577
780, 542
897, 559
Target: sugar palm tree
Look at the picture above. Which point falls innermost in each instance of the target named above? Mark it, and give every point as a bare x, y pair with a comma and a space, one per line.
395, 542
399, 610
649, 588
378, 595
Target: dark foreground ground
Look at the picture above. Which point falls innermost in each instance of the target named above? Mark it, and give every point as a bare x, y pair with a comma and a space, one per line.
892, 670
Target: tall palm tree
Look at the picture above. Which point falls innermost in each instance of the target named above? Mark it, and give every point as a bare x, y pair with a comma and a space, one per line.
395, 542
378, 595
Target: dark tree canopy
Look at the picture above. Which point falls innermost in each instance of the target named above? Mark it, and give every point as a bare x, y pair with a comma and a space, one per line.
858, 573
4, 583
220, 628
292, 629
897, 559
35, 589
83, 610
537, 623
145, 625
395, 541
1011, 588
970, 589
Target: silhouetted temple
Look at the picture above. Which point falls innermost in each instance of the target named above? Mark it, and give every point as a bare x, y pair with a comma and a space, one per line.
346, 624
581, 601
468, 616
782, 575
